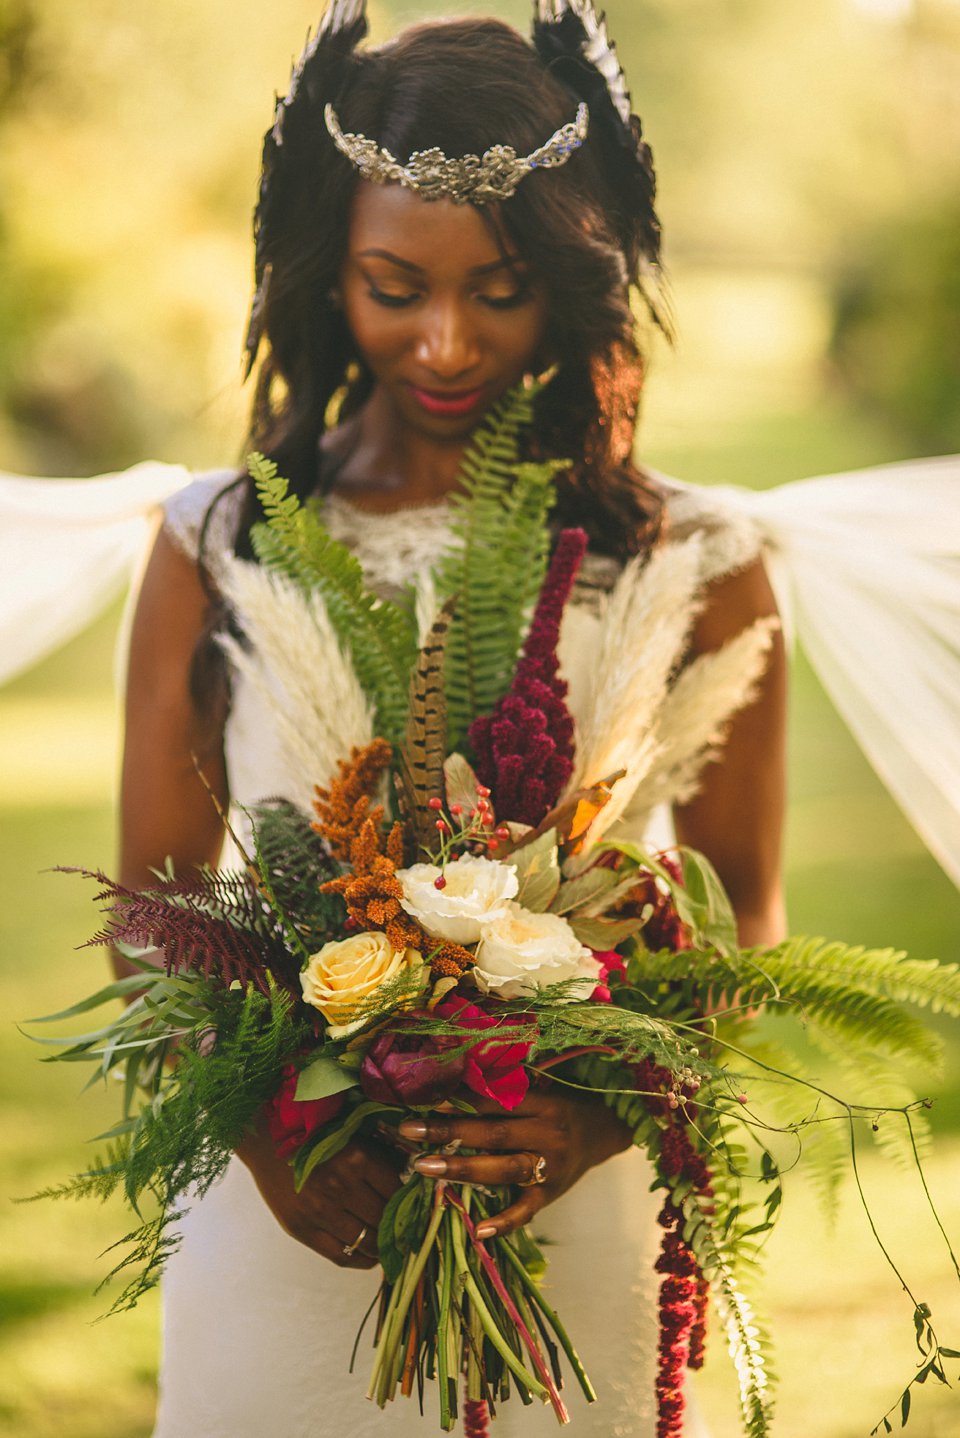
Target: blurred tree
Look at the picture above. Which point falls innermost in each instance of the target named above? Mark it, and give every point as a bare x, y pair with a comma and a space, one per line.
896, 334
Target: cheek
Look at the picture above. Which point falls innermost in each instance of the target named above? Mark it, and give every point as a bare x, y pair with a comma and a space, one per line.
378, 333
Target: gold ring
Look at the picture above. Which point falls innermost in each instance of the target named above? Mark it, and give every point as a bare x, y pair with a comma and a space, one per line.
351, 1248
538, 1174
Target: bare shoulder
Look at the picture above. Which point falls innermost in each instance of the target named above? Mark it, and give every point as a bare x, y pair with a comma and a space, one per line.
733, 602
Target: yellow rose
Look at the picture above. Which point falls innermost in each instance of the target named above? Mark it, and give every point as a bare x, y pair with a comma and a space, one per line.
341, 976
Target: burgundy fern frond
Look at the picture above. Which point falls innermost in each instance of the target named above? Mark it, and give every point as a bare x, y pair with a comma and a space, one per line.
215, 925
524, 749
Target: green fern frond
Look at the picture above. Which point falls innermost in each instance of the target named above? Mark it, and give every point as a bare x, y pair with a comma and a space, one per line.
379, 635
855, 992
748, 1343
499, 518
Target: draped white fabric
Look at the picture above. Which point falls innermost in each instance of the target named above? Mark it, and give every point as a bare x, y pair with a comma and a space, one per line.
67, 548
866, 566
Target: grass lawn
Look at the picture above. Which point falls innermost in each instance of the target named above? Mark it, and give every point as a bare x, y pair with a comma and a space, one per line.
855, 870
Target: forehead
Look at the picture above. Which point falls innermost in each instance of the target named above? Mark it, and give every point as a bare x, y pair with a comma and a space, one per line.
434, 235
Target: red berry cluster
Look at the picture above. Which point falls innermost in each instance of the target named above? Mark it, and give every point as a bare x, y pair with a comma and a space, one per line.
683, 1289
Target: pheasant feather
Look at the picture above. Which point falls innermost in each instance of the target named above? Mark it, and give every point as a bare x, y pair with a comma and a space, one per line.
425, 743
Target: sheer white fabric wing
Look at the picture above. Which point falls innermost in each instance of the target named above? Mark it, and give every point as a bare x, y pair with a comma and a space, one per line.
867, 572
67, 547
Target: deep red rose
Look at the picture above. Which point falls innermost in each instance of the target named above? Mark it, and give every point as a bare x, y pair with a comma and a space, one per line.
494, 1068
291, 1121
610, 963
411, 1068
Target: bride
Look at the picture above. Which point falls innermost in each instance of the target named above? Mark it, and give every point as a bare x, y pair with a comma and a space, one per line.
396, 300
439, 219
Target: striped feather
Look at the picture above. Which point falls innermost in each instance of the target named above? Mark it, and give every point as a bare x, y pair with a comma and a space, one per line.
425, 741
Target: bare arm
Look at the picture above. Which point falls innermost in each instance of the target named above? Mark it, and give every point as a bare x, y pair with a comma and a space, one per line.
166, 811
737, 817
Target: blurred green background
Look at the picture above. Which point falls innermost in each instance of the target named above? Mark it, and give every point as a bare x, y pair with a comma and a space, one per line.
809, 159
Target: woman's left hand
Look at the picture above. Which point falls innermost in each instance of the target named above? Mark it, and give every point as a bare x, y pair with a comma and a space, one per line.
543, 1146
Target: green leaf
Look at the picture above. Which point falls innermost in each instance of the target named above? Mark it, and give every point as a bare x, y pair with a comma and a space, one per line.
603, 934
379, 634
538, 870
905, 1408
330, 1144
712, 917
585, 889
323, 1078
117, 990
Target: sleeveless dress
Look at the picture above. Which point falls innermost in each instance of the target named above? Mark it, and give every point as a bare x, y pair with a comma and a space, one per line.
257, 1329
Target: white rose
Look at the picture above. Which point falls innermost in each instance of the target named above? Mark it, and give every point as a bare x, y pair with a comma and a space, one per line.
343, 974
476, 890
521, 952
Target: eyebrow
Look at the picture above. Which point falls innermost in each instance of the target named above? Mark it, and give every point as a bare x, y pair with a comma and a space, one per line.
509, 262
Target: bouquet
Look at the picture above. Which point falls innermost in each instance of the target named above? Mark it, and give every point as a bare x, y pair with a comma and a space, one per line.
451, 905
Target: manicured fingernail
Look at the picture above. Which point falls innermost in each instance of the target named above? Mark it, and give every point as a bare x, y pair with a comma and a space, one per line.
413, 1128
486, 1230
431, 1164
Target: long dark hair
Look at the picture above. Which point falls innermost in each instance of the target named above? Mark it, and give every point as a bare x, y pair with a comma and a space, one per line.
464, 85
461, 85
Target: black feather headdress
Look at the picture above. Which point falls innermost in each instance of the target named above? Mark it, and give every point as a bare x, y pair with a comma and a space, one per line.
572, 40
318, 77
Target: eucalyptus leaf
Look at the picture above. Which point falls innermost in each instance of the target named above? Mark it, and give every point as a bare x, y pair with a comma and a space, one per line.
604, 934
585, 889
714, 922
323, 1078
538, 871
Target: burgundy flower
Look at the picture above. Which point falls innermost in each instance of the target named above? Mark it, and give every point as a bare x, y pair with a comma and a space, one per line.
409, 1068
290, 1120
493, 1068
524, 749
610, 963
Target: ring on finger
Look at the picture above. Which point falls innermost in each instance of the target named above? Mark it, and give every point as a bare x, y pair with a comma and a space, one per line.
351, 1248
538, 1171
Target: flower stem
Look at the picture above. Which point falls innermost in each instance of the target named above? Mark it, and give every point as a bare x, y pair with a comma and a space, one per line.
487, 1320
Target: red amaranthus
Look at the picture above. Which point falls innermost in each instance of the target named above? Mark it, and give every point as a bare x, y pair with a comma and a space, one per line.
524, 749
683, 1289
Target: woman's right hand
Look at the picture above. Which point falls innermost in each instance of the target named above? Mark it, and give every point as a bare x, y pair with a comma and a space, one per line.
341, 1198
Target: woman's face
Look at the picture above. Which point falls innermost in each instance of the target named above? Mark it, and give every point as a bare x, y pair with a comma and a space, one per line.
445, 324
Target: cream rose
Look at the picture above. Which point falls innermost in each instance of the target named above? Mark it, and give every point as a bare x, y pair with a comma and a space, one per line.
342, 975
520, 952
475, 891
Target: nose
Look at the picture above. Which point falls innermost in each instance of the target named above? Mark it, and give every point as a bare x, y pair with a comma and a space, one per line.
447, 344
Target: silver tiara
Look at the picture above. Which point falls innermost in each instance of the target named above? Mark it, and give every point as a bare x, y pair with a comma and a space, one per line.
477, 179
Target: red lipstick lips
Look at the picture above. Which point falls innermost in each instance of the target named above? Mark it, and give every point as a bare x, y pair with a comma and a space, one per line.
447, 405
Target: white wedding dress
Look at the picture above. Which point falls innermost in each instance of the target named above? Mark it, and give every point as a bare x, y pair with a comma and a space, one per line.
257, 1329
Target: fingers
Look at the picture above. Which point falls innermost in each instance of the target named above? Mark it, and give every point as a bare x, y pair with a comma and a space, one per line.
357, 1251
529, 1203
484, 1168
491, 1132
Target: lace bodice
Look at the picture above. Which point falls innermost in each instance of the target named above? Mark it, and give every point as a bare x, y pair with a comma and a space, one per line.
393, 548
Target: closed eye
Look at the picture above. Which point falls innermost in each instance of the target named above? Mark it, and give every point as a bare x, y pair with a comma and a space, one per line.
391, 301
506, 302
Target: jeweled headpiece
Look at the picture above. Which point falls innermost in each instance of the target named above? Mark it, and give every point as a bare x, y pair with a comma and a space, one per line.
477, 179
